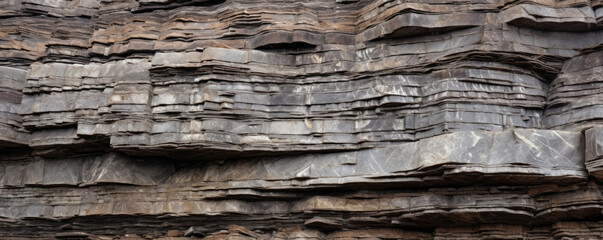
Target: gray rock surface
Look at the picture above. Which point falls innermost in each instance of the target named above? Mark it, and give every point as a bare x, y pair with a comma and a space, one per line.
594, 151
343, 119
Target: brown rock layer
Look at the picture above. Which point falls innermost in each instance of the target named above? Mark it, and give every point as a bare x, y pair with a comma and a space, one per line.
343, 119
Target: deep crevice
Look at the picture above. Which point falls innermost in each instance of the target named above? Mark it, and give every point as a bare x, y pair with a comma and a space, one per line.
287, 47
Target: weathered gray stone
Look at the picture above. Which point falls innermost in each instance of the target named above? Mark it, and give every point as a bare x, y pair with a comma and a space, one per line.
345, 119
594, 151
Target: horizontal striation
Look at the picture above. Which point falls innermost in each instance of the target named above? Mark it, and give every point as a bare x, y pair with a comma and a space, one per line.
341, 119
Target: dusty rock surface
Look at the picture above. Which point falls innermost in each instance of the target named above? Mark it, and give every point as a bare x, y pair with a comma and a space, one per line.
336, 119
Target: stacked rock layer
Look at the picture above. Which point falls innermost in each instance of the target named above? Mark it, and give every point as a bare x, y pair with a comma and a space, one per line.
339, 119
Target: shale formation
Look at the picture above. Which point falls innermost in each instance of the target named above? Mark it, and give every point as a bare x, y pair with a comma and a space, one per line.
301, 119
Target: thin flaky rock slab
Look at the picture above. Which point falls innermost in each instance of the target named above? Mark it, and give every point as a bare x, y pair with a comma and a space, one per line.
520, 151
110, 168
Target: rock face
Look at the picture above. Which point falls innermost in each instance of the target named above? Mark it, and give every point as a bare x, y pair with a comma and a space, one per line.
338, 119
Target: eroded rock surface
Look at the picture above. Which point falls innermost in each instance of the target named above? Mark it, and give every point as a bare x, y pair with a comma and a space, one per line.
339, 119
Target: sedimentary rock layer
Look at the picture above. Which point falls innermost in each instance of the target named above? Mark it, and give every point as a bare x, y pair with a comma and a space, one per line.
343, 119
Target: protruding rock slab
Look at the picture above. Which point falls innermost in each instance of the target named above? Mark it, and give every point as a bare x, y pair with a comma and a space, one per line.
594, 151
110, 168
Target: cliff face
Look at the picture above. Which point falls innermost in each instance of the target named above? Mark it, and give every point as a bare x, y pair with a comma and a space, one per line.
357, 119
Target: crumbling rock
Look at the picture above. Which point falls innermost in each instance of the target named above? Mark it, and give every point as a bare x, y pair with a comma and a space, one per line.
343, 119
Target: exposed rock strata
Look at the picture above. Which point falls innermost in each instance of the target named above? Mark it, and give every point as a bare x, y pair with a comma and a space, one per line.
165, 119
